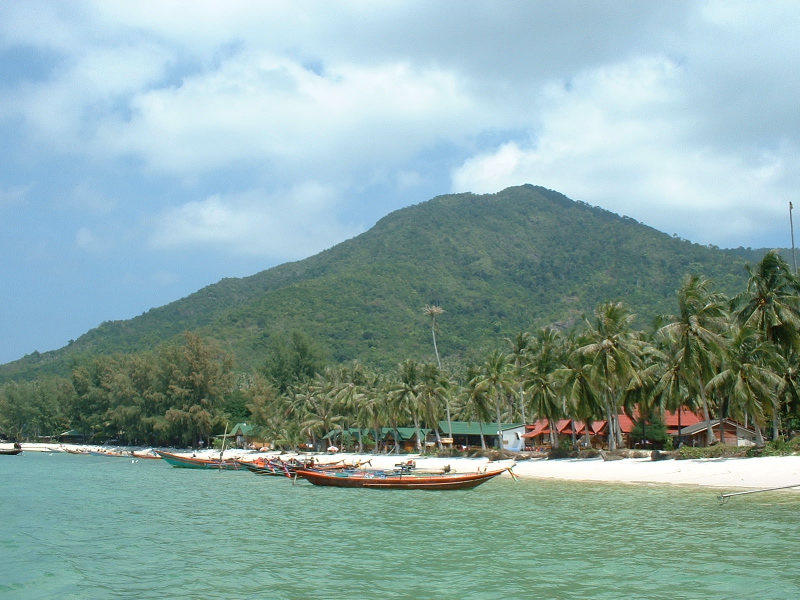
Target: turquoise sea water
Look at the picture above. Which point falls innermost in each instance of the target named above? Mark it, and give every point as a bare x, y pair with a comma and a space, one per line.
82, 527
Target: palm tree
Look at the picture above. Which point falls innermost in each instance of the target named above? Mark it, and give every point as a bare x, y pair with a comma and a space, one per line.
495, 380
475, 401
520, 347
697, 333
371, 409
671, 387
640, 398
350, 383
789, 397
434, 311
614, 351
771, 304
433, 391
545, 360
575, 387
749, 381
406, 394
396, 408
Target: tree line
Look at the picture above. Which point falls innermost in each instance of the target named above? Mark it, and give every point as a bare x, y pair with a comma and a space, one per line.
725, 357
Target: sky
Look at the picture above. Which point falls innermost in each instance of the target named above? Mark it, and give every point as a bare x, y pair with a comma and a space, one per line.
149, 149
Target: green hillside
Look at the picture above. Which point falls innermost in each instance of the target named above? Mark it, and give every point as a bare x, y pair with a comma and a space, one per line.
497, 263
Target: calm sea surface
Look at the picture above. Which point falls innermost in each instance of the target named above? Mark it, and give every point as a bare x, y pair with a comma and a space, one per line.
75, 527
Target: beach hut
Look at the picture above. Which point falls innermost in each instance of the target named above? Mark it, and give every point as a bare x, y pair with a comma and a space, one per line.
538, 435
71, 437
406, 438
733, 433
468, 434
241, 435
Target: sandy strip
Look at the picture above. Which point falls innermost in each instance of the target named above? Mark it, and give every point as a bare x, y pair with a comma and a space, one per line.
753, 473
745, 473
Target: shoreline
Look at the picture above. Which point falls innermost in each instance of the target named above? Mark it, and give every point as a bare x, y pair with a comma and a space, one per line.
739, 473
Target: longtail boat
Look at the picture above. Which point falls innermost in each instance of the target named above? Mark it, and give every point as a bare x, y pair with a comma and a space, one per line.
193, 462
280, 468
148, 454
402, 480
274, 468
10, 451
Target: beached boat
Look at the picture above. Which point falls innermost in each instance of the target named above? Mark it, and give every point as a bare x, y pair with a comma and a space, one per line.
403, 479
285, 468
272, 468
149, 454
193, 462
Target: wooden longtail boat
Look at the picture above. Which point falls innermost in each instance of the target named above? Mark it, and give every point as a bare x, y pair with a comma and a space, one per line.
145, 454
268, 467
192, 462
279, 468
13, 451
400, 481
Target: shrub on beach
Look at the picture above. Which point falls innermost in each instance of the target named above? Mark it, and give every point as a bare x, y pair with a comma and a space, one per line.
559, 453
778, 447
715, 451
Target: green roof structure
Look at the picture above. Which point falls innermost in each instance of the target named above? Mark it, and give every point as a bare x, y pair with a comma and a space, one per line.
467, 428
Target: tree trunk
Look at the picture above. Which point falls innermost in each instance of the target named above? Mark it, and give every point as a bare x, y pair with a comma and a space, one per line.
710, 438
759, 435
554, 441
612, 438
449, 422
483, 440
419, 435
499, 429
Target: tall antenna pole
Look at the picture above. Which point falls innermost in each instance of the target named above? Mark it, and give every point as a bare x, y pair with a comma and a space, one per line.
791, 227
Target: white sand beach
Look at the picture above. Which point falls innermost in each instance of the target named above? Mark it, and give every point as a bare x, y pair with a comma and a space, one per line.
745, 473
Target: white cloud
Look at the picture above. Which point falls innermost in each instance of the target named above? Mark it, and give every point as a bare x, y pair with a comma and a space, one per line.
621, 137
288, 225
273, 112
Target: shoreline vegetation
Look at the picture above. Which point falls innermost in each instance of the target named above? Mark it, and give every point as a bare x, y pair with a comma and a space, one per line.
628, 467
723, 359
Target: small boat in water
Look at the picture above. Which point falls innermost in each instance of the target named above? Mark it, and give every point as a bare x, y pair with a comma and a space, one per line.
12, 451
400, 480
149, 454
194, 462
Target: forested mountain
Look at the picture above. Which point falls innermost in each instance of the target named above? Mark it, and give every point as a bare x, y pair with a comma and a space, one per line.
496, 263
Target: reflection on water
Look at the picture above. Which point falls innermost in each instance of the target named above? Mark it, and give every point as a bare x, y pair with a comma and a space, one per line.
78, 527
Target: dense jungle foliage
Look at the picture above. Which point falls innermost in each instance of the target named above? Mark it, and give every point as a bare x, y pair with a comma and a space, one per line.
723, 356
518, 260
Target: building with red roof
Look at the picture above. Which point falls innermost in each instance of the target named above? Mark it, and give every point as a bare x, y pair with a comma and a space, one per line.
538, 434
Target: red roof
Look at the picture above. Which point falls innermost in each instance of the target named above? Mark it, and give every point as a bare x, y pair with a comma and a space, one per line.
564, 426
538, 428
687, 419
